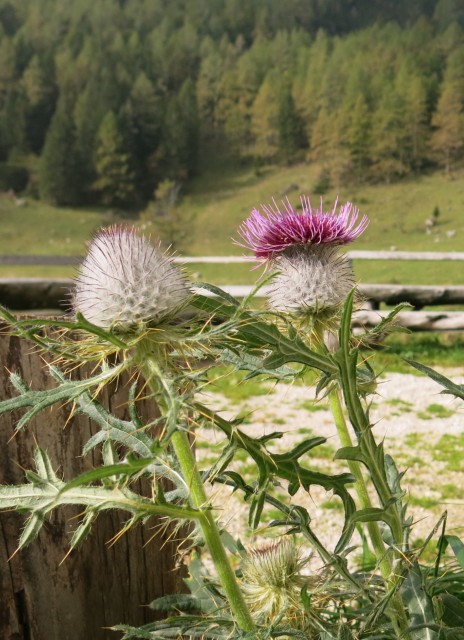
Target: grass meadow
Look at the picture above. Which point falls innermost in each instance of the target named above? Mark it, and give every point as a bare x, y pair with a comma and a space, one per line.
218, 200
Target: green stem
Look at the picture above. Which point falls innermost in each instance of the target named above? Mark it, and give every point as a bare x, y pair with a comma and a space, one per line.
182, 449
360, 485
397, 613
386, 566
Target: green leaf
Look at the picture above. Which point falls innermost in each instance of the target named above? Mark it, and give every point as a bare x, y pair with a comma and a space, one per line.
83, 530
458, 548
456, 633
31, 529
114, 429
453, 610
370, 514
124, 469
44, 466
184, 602
300, 449
450, 387
350, 453
67, 391
256, 509
419, 605
198, 298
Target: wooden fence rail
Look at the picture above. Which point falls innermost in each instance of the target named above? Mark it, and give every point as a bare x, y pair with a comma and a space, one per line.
16, 259
54, 293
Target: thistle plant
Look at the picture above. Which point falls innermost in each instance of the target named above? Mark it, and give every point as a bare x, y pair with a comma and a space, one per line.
135, 310
312, 277
124, 283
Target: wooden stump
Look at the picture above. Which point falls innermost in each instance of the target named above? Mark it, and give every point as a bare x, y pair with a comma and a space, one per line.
46, 594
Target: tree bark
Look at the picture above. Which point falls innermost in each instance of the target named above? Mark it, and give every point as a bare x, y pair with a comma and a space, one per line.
46, 594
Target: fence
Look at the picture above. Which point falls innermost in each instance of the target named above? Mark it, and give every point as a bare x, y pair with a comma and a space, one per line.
53, 293
47, 593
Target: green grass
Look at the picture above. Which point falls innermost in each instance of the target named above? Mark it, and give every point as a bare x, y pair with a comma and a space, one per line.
221, 198
433, 349
435, 410
41, 229
232, 385
450, 450
451, 492
312, 406
426, 502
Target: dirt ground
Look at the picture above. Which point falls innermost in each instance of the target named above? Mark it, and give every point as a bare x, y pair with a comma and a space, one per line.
422, 429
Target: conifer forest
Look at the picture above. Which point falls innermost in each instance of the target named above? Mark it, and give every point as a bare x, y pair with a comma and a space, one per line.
101, 101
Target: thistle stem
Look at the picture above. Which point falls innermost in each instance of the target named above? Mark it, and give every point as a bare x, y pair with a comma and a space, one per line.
183, 451
385, 564
397, 613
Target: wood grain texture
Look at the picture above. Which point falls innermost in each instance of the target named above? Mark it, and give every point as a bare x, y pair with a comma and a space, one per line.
45, 594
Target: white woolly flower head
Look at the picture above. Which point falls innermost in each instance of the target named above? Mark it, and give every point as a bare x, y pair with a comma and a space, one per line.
311, 279
125, 282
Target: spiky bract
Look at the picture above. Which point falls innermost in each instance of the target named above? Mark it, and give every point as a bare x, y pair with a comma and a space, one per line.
272, 583
311, 280
125, 282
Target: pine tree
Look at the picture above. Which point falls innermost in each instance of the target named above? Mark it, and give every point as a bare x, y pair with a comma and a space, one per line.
60, 168
264, 119
290, 131
357, 138
447, 141
39, 90
115, 177
388, 127
177, 154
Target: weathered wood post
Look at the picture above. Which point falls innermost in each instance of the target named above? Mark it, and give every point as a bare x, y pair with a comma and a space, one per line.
46, 594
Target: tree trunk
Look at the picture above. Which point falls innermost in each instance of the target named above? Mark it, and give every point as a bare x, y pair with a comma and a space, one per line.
46, 594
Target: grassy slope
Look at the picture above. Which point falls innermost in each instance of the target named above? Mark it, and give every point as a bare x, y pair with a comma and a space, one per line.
397, 215
222, 198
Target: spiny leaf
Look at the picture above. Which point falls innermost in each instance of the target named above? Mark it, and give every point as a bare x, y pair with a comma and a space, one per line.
453, 610
83, 530
65, 392
419, 605
125, 469
458, 548
450, 387
217, 291
184, 602
31, 529
115, 429
44, 466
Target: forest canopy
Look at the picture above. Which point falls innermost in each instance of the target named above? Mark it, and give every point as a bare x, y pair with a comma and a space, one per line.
101, 101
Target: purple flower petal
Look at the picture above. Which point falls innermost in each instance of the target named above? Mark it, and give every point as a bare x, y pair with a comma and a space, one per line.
278, 229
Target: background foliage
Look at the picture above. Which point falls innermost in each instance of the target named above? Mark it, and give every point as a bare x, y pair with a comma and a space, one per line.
102, 101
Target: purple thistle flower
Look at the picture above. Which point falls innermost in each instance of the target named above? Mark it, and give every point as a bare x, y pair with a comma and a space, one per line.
312, 277
272, 233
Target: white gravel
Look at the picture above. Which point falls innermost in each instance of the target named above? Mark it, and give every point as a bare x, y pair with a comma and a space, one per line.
408, 412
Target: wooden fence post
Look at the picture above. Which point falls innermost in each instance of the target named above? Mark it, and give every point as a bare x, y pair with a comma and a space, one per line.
45, 594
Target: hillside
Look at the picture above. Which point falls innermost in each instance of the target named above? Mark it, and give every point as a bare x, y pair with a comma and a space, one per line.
215, 205
101, 102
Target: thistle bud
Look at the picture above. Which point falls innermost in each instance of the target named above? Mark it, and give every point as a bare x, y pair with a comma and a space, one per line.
126, 283
272, 583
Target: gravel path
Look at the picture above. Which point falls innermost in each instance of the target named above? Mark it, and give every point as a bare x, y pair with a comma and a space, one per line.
422, 429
